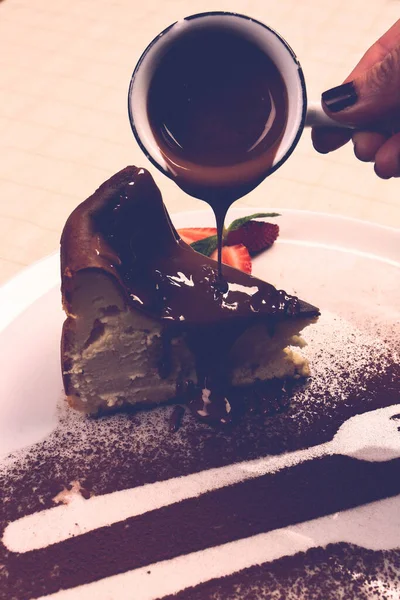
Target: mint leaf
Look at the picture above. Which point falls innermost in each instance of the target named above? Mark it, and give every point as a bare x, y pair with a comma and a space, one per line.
206, 246
239, 222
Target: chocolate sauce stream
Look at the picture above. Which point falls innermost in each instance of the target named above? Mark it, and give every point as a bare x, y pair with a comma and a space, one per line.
220, 209
220, 220
209, 400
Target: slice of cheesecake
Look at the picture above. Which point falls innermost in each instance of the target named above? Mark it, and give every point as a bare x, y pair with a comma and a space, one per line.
146, 318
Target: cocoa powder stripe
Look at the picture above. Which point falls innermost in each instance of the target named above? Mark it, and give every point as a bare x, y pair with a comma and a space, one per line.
305, 492
321, 573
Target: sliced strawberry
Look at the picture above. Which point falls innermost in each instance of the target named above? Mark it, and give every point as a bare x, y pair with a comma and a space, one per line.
235, 256
194, 234
255, 235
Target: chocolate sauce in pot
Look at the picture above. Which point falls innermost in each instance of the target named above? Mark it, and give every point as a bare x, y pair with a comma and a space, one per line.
217, 106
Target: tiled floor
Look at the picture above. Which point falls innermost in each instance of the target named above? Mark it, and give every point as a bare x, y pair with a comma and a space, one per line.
65, 66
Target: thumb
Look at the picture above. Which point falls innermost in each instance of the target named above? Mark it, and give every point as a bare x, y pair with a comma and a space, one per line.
371, 98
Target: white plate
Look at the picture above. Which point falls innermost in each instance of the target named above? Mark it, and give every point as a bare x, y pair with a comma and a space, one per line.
344, 266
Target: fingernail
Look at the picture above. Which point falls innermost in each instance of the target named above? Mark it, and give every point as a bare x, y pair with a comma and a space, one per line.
380, 174
340, 97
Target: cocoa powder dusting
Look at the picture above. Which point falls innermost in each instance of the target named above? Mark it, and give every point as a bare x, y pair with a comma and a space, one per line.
128, 450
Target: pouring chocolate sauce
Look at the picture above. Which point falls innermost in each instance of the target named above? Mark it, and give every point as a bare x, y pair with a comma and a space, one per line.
217, 106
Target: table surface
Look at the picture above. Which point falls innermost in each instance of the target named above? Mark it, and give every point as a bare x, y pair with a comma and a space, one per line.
65, 67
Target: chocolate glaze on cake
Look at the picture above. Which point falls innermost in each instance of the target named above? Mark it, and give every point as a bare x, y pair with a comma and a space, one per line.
124, 231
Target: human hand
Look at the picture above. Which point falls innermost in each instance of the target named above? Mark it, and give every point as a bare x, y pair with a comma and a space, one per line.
369, 100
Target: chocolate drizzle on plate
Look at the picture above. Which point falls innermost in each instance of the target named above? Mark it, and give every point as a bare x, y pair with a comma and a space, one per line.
176, 418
